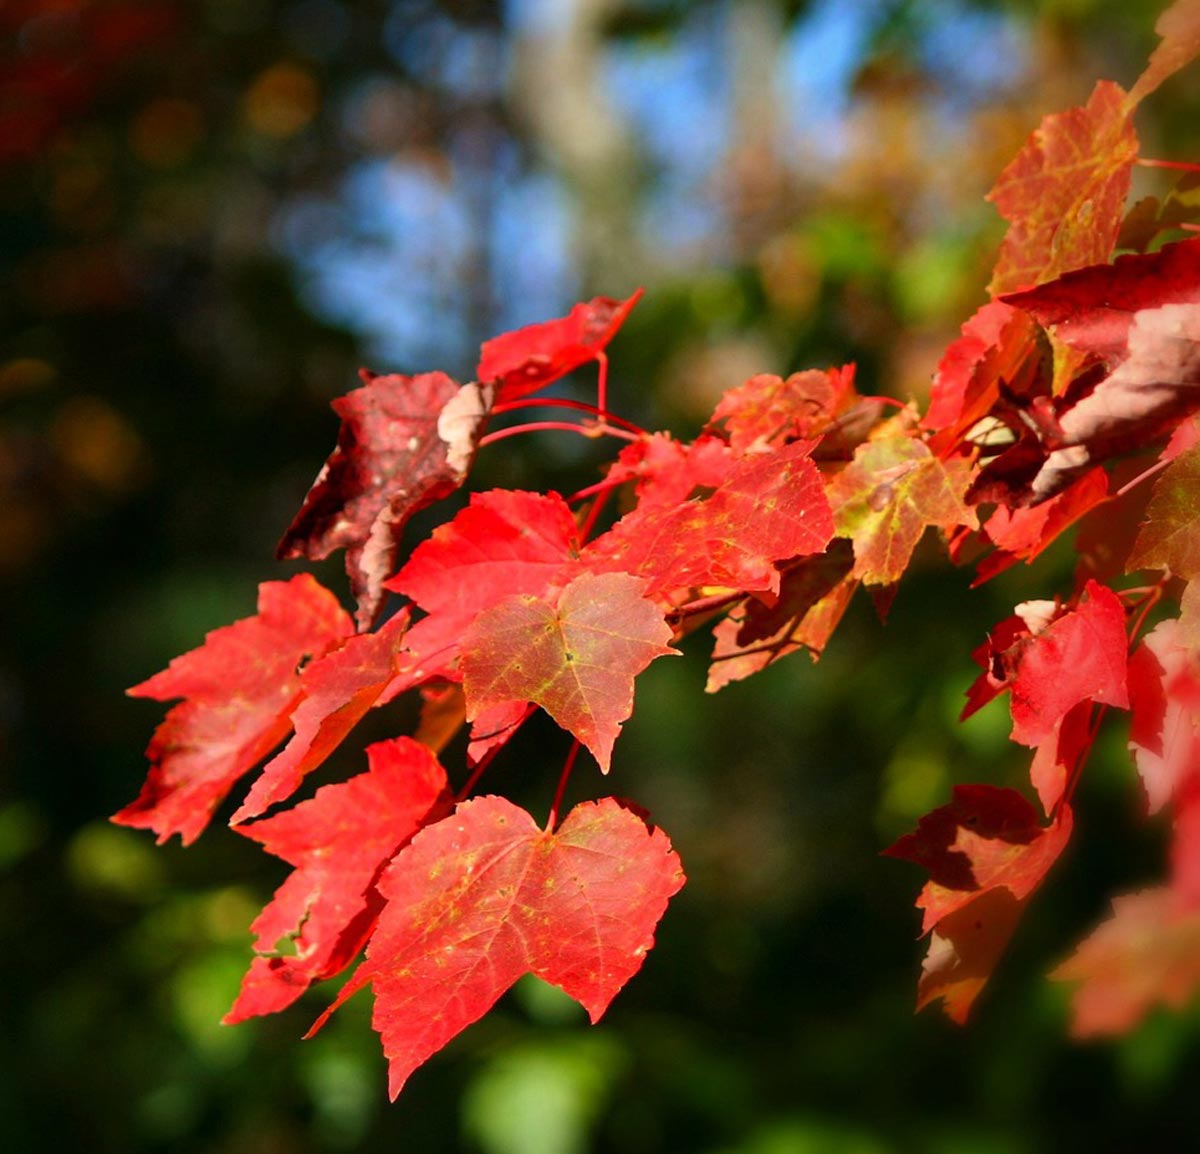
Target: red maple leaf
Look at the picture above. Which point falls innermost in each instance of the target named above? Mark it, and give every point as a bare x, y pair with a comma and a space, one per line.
576, 657
240, 687
528, 359
812, 599
986, 853
767, 411
1179, 28
995, 344
484, 897
1072, 656
1164, 693
1141, 317
337, 690
1023, 534
1146, 954
338, 841
1064, 193
770, 507
404, 443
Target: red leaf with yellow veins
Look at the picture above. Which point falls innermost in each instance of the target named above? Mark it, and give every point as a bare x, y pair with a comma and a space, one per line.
239, 688
1064, 192
404, 443
771, 507
484, 897
1170, 537
337, 690
1146, 954
339, 840
528, 359
576, 657
986, 853
884, 500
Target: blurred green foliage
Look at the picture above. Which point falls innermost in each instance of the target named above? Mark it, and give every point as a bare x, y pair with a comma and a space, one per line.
165, 366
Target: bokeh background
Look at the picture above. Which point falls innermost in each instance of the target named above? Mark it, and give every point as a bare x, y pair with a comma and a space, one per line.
211, 213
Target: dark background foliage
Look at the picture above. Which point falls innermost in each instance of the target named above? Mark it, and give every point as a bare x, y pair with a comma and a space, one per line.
210, 214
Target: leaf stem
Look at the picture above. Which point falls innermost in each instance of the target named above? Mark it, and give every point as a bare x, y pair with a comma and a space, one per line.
1183, 165
566, 403
568, 765
590, 431
486, 760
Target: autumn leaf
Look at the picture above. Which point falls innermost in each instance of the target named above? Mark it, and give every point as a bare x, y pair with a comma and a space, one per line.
404, 443
1170, 537
484, 897
1179, 29
528, 359
1164, 693
812, 599
884, 500
770, 507
239, 688
1146, 954
995, 344
338, 842
504, 542
666, 472
767, 411
986, 853
1023, 534
1141, 316
575, 657
1060, 755
1076, 655
1064, 193
337, 690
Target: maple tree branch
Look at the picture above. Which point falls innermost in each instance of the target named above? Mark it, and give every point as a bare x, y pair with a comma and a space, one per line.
563, 778
705, 605
602, 383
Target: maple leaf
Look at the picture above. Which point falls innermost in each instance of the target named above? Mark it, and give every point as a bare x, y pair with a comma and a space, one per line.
766, 412
528, 359
484, 897
1164, 693
884, 500
1179, 28
1060, 755
1064, 193
336, 689
1170, 537
575, 657
994, 345
404, 443
986, 853
812, 599
770, 507
667, 472
504, 542
1147, 953
1141, 315
239, 688
1073, 656
338, 840
1023, 534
